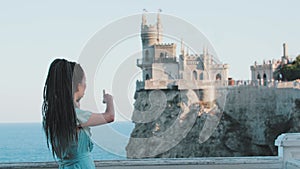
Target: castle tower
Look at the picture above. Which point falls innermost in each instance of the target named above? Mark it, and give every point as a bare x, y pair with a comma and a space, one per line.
284, 58
151, 35
284, 49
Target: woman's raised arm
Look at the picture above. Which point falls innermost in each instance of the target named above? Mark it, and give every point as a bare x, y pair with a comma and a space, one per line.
102, 118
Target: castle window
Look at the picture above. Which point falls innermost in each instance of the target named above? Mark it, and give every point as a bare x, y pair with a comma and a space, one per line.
265, 76
161, 55
265, 79
147, 56
147, 77
258, 76
218, 76
195, 75
201, 76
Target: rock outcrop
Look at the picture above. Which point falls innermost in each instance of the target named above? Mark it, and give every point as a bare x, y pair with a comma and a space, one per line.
243, 121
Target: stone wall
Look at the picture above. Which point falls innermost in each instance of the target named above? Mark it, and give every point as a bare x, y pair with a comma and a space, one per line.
171, 124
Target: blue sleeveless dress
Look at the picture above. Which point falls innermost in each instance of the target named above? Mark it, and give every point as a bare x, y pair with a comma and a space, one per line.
79, 155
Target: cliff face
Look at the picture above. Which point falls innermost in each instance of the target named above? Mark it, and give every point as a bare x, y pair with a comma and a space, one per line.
243, 121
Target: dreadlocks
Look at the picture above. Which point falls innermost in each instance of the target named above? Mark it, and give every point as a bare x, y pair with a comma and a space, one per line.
59, 117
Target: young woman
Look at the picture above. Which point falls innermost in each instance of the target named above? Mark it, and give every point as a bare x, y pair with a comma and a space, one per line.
66, 125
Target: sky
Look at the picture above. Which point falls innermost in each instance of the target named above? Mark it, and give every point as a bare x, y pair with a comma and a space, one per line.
33, 33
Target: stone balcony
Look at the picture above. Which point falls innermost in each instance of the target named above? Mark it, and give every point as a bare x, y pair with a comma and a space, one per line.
288, 158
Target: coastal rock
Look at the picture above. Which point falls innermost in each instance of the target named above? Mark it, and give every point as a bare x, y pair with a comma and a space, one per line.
176, 125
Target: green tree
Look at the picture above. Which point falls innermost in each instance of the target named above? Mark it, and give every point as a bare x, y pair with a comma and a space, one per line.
291, 72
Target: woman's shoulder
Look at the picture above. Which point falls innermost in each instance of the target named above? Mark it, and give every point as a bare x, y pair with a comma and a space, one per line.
82, 115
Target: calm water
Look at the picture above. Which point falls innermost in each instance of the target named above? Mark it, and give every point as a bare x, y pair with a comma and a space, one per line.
25, 142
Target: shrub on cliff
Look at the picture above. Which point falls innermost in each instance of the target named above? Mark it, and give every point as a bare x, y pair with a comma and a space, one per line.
291, 72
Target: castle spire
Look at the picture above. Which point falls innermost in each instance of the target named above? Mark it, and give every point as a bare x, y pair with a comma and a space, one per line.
206, 58
284, 50
158, 27
204, 50
144, 21
187, 51
284, 58
158, 16
182, 48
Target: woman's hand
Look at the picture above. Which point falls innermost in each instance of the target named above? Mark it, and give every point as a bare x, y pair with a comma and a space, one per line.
110, 111
107, 98
102, 118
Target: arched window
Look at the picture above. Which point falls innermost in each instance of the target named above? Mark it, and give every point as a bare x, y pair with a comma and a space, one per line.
161, 55
147, 77
265, 79
201, 76
265, 76
195, 75
258, 76
147, 56
218, 76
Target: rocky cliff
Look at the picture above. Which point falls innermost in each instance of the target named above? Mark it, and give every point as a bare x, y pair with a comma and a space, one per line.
241, 121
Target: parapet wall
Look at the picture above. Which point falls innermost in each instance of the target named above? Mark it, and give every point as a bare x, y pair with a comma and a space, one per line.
192, 163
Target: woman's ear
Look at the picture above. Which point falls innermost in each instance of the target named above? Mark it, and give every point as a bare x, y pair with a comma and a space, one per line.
77, 88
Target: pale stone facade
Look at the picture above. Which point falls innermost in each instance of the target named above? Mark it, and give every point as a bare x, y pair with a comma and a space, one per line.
269, 71
162, 68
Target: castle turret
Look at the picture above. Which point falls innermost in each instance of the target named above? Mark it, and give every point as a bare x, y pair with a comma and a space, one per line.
144, 21
182, 48
284, 50
284, 58
206, 59
151, 34
159, 28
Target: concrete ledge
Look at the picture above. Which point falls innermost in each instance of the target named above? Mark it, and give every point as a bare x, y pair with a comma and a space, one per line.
288, 146
293, 164
187, 163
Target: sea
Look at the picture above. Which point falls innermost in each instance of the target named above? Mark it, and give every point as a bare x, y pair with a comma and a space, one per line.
26, 142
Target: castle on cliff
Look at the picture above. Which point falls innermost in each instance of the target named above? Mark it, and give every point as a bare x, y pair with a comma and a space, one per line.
163, 69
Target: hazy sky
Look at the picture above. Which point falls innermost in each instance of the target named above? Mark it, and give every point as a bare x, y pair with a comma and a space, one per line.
33, 33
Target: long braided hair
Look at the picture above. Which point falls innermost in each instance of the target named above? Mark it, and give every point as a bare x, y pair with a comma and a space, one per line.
59, 117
